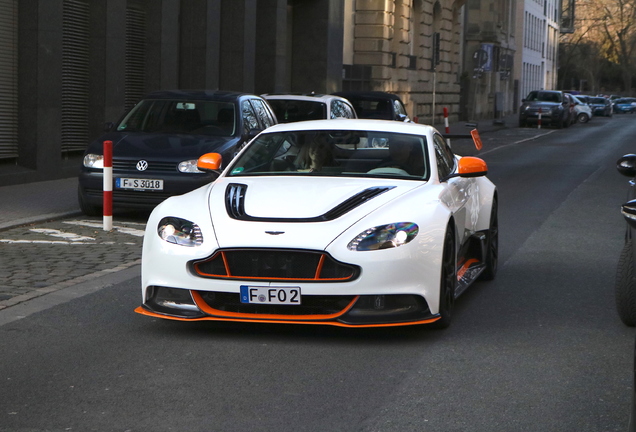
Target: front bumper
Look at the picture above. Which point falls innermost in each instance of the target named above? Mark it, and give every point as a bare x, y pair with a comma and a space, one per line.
336, 310
91, 188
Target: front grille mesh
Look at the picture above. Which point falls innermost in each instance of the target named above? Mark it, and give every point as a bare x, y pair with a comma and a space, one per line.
130, 165
275, 265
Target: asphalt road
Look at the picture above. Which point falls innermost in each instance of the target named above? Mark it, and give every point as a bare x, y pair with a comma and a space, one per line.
539, 349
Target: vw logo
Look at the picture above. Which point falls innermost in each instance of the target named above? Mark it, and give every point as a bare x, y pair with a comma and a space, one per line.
142, 165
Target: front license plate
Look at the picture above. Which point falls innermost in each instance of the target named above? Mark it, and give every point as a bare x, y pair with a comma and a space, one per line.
270, 295
139, 184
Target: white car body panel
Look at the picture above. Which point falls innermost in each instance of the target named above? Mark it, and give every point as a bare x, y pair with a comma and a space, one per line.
414, 268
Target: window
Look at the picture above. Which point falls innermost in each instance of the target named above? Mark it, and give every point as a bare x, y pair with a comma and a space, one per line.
263, 113
250, 120
340, 109
444, 156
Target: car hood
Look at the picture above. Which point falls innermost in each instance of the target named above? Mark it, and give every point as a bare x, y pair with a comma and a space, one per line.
295, 211
131, 144
541, 104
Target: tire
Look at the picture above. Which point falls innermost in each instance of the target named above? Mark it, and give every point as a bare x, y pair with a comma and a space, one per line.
86, 208
492, 246
583, 118
522, 124
448, 282
625, 288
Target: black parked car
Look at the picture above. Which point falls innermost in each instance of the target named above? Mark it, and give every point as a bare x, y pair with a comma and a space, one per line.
625, 288
601, 106
554, 106
376, 105
157, 143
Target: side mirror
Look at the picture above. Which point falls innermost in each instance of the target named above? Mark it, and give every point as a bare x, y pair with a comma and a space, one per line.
470, 166
627, 165
210, 162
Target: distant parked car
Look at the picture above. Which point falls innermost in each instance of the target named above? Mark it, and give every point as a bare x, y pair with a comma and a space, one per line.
156, 145
582, 111
624, 105
553, 105
298, 107
376, 105
601, 106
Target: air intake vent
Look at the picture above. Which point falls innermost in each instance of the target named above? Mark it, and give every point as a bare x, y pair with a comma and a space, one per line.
355, 201
235, 205
235, 201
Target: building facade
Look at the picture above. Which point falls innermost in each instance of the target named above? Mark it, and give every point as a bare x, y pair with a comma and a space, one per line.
69, 66
537, 55
412, 48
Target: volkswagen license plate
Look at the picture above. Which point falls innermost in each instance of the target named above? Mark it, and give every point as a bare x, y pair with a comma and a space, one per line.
139, 184
270, 295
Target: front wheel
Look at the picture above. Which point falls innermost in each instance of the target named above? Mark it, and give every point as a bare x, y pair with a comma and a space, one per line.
448, 282
625, 287
583, 118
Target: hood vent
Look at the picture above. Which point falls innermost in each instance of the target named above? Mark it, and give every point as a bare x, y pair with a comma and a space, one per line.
235, 200
235, 205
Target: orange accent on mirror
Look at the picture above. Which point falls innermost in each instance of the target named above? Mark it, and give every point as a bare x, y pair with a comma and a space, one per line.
210, 162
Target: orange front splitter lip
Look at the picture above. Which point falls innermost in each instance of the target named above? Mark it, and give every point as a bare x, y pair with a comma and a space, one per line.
142, 311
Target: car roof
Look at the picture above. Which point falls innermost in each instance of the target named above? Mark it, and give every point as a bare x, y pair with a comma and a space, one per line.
303, 97
217, 95
367, 95
353, 124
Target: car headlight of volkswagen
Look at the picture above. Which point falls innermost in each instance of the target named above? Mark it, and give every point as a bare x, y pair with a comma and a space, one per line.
92, 160
384, 237
180, 232
189, 166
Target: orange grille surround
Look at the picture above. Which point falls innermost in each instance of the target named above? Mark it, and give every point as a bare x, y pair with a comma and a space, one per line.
275, 265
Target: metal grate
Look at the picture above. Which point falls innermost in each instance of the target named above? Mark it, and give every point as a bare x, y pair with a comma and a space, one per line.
75, 55
286, 265
135, 55
8, 79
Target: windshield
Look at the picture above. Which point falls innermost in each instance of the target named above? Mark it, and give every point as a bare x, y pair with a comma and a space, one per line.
341, 153
543, 96
180, 117
598, 100
289, 110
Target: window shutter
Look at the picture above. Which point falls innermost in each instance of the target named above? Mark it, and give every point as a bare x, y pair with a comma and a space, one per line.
135, 54
8, 79
75, 56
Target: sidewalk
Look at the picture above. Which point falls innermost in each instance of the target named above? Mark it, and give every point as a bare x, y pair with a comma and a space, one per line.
41, 201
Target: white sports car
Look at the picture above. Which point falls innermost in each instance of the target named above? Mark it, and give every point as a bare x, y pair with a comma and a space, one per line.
355, 223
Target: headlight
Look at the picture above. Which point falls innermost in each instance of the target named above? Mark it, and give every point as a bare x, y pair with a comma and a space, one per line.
189, 166
384, 237
94, 161
525, 107
180, 231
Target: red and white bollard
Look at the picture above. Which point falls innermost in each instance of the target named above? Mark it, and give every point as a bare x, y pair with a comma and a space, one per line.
108, 186
539, 120
446, 127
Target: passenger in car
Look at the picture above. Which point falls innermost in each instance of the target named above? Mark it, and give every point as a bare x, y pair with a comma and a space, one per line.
405, 154
316, 155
